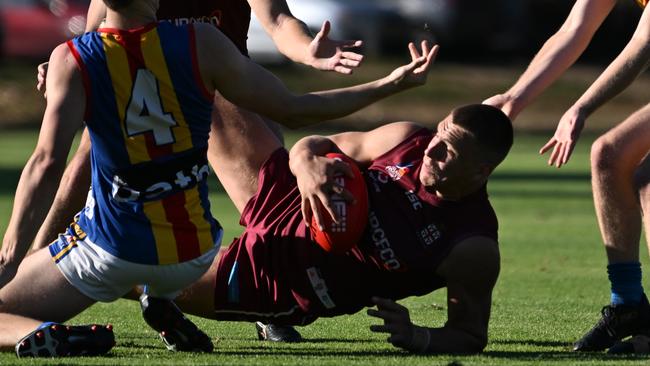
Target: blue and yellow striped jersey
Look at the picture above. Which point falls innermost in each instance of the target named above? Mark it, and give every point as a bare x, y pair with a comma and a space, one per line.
148, 115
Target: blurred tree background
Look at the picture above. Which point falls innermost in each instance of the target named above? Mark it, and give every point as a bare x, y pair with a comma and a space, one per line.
485, 45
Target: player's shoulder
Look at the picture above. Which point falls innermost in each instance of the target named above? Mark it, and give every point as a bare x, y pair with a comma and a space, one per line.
402, 127
62, 58
399, 131
62, 51
478, 253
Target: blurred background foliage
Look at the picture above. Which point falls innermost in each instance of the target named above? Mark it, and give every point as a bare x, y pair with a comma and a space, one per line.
485, 45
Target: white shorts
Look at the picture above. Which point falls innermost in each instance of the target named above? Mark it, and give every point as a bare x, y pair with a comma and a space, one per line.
105, 277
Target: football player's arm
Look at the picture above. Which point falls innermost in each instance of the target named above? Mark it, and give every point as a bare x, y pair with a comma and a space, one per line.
314, 172
70, 197
471, 271
249, 85
294, 40
557, 54
38, 181
71, 194
96, 15
627, 66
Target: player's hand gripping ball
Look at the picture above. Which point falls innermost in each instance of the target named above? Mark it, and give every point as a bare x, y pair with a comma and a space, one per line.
339, 237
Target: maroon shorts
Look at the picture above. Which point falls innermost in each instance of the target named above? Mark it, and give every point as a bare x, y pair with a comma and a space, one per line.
267, 273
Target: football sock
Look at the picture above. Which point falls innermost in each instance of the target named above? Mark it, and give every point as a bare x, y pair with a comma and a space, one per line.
625, 279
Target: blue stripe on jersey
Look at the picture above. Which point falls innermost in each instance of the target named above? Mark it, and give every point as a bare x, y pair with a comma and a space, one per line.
187, 91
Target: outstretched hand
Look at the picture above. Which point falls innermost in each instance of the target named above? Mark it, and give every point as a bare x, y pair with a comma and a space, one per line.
397, 323
316, 185
330, 55
565, 138
415, 73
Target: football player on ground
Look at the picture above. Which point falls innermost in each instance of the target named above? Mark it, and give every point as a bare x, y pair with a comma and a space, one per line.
430, 225
291, 36
145, 90
619, 162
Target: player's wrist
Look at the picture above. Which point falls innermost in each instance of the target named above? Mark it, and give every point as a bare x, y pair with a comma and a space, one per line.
420, 339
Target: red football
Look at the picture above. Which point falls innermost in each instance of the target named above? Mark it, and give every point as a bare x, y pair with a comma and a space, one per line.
342, 236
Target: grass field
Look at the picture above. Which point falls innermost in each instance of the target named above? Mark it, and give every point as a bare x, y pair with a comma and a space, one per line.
552, 283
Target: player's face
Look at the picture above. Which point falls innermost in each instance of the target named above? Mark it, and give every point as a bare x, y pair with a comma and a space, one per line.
449, 165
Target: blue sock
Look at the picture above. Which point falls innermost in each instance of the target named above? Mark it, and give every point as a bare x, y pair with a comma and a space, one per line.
626, 283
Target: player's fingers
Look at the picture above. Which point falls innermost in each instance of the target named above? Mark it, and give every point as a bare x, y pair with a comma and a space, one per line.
305, 207
387, 304
548, 145
428, 59
424, 45
379, 329
557, 150
324, 31
431, 55
560, 155
568, 152
316, 212
374, 313
551, 160
349, 63
342, 70
327, 202
414, 66
388, 315
413, 50
352, 56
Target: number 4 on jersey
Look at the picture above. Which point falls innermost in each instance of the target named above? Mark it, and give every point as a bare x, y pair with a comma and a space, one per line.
145, 112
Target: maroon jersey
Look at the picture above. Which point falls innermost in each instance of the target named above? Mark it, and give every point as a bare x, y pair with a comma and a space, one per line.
275, 271
232, 17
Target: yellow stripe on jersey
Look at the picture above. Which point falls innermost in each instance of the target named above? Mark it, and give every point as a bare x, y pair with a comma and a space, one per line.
642, 3
155, 61
162, 232
118, 67
203, 227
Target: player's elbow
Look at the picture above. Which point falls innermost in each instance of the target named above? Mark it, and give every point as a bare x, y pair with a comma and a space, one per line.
298, 121
297, 114
48, 164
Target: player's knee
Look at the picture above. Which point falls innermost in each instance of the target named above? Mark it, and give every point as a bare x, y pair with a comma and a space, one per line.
603, 155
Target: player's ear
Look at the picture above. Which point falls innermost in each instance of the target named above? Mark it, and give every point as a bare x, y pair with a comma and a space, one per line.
483, 172
486, 170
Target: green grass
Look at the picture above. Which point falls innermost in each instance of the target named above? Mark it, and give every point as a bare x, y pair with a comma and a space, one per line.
552, 283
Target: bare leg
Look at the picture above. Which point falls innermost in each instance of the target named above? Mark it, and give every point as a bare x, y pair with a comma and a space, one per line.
70, 197
198, 299
614, 160
38, 293
642, 179
240, 142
